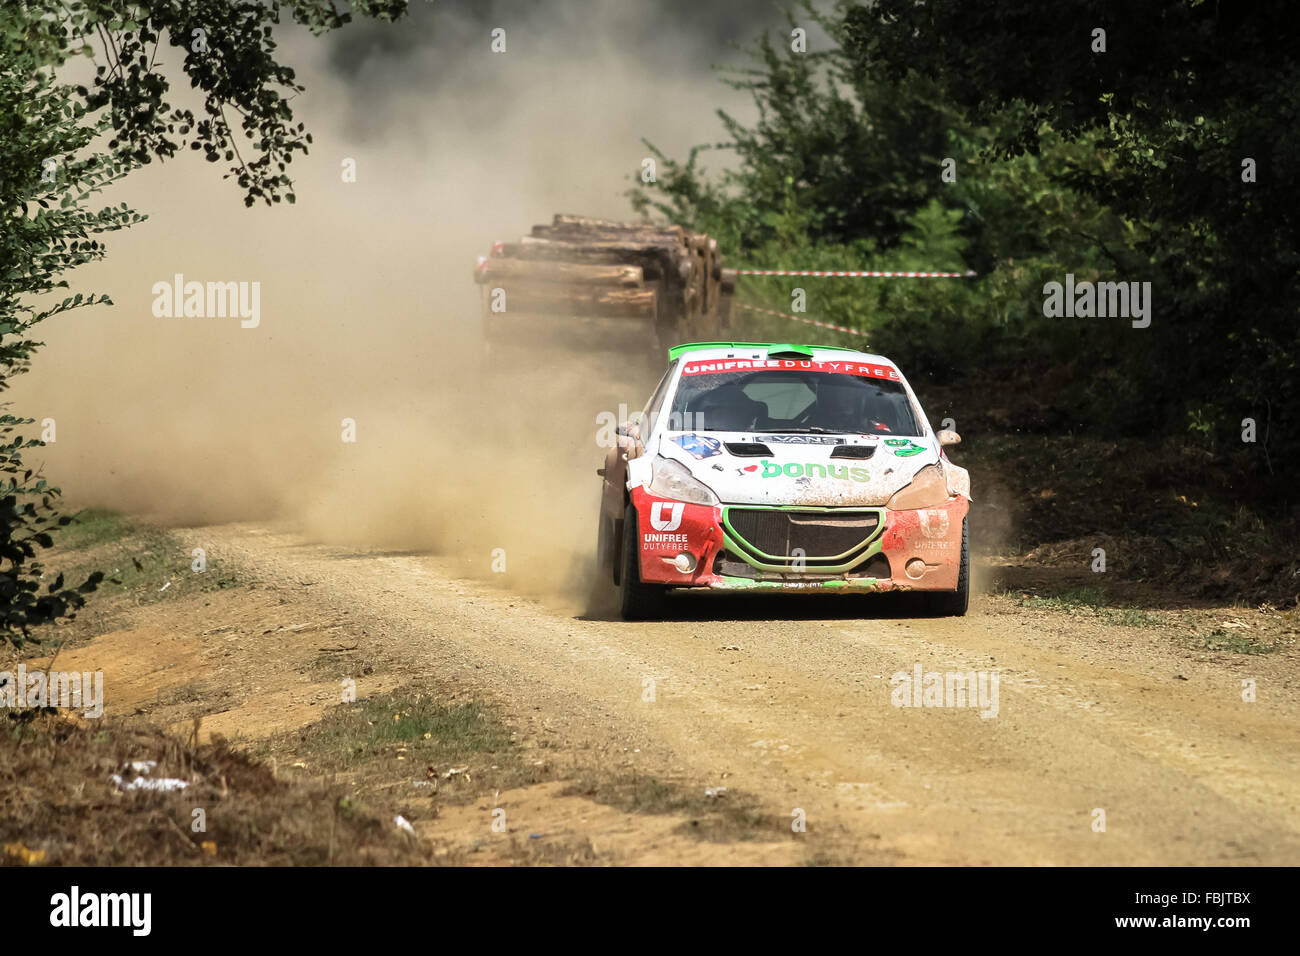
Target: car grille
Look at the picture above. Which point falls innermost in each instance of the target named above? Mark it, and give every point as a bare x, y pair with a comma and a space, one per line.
821, 535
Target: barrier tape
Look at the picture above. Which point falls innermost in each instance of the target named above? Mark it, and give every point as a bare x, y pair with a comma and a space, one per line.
798, 318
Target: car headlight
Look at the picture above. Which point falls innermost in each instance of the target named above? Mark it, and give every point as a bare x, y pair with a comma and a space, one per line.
929, 489
672, 479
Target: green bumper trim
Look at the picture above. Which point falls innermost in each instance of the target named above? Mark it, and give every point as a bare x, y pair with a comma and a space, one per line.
843, 585
771, 562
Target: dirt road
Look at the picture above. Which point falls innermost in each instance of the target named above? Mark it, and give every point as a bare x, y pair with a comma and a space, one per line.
792, 701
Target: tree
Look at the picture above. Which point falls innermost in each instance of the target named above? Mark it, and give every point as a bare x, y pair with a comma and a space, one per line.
51, 172
1130, 165
1187, 99
847, 169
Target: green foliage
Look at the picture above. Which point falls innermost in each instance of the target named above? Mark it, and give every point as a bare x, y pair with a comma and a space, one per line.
27, 516
1122, 166
830, 159
1184, 93
843, 171
53, 166
227, 50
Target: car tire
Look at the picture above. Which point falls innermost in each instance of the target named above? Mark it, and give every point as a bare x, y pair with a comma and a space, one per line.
954, 603
638, 601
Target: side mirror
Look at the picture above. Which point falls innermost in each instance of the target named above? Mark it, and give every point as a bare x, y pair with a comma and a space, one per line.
626, 428
948, 437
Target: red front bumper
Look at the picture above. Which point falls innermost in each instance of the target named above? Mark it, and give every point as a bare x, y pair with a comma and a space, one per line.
923, 549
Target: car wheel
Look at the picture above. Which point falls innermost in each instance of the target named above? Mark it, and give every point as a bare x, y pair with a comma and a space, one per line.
639, 601
954, 603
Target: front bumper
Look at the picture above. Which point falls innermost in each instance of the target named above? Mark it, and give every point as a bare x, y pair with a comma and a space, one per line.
706, 546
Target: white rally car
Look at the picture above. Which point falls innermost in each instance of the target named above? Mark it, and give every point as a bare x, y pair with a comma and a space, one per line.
783, 468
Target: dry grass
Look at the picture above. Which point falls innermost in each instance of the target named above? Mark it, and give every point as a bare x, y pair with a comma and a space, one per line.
59, 805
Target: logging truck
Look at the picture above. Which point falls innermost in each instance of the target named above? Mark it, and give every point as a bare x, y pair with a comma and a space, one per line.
664, 281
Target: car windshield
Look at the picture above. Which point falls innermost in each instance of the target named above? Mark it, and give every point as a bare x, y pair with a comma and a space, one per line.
792, 401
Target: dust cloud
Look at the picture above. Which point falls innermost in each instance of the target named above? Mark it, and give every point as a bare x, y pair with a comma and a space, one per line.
368, 311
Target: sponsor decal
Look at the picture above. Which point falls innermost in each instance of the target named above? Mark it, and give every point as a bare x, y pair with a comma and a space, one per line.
667, 528
934, 522
666, 522
653, 542
799, 440
742, 472
865, 369
904, 447
700, 446
794, 469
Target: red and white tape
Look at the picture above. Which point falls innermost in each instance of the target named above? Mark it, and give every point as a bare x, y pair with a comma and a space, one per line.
798, 318
855, 275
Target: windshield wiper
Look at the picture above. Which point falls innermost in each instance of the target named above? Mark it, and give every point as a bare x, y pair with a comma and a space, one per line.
810, 430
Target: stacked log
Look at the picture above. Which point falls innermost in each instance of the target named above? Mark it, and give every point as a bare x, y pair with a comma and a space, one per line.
582, 266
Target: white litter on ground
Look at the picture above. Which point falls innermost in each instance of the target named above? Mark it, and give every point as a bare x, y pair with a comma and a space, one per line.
141, 768
145, 783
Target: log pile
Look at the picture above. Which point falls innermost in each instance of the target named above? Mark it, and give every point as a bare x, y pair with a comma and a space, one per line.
577, 266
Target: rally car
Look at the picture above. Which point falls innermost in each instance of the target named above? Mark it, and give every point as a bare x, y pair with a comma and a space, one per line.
783, 468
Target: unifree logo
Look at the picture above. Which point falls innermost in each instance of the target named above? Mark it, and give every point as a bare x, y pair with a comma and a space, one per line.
740, 365
934, 522
672, 521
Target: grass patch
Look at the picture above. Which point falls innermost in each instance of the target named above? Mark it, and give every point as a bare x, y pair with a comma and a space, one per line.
1221, 640
147, 568
725, 818
442, 732
1086, 598
91, 527
1067, 599
450, 749
1129, 617
140, 562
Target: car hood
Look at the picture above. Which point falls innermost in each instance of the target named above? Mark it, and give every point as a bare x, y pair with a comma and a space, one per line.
798, 469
